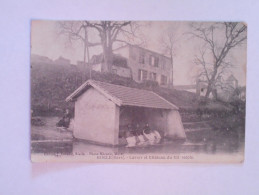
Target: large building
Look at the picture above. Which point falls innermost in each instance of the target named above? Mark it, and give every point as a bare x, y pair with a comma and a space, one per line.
139, 63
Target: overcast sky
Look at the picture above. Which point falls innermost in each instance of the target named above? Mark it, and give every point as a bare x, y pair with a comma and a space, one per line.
46, 41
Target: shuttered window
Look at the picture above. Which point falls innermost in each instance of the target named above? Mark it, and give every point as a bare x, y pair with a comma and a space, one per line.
163, 80
142, 75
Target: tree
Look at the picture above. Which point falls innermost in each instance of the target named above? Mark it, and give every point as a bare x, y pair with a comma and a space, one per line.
111, 32
168, 45
218, 39
78, 31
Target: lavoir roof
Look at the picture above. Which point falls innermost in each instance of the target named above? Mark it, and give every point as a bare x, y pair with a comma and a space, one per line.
124, 96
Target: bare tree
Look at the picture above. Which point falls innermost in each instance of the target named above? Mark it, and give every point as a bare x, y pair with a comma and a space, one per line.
219, 39
78, 31
111, 32
168, 46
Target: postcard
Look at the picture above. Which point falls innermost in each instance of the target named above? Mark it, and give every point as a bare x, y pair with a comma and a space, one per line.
138, 91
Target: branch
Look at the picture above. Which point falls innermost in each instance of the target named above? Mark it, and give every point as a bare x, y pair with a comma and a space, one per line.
73, 30
201, 61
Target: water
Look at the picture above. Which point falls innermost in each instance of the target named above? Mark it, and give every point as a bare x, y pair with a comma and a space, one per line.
48, 139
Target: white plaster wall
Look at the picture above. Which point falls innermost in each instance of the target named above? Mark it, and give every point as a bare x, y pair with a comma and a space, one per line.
124, 72
95, 118
175, 125
97, 67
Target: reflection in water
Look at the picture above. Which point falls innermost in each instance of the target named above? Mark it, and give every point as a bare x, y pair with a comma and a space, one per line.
48, 139
65, 148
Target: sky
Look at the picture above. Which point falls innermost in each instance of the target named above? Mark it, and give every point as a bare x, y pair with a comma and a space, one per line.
46, 41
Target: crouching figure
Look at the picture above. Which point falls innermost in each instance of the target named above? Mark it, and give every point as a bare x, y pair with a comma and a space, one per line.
65, 121
153, 136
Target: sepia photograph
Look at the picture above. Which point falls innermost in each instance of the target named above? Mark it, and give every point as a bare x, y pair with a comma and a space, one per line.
138, 91
129, 97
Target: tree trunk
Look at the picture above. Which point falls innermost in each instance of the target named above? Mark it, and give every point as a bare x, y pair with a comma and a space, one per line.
209, 89
84, 65
211, 83
88, 55
172, 64
107, 54
215, 94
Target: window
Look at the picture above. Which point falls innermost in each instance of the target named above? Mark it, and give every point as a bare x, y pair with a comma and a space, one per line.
133, 55
152, 76
163, 80
142, 75
156, 61
153, 61
163, 64
142, 58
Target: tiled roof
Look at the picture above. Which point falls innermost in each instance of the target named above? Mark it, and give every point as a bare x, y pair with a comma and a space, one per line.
125, 96
231, 78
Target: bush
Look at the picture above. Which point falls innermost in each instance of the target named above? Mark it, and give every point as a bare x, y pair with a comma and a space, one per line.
148, 84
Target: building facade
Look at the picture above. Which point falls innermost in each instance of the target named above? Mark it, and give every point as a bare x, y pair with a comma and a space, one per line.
103, 111
147, 65
138, 63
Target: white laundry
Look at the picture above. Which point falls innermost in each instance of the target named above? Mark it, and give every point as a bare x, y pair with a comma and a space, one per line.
131, 141
157, 134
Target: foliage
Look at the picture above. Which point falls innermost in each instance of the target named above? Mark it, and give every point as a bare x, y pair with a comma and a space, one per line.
52, 83
148, 84
230, 122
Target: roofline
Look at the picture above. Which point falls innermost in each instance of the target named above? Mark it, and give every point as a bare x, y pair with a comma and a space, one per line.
131, 45
70, 97
111, 97
52, 63
91, 83
127, 44
166, 100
